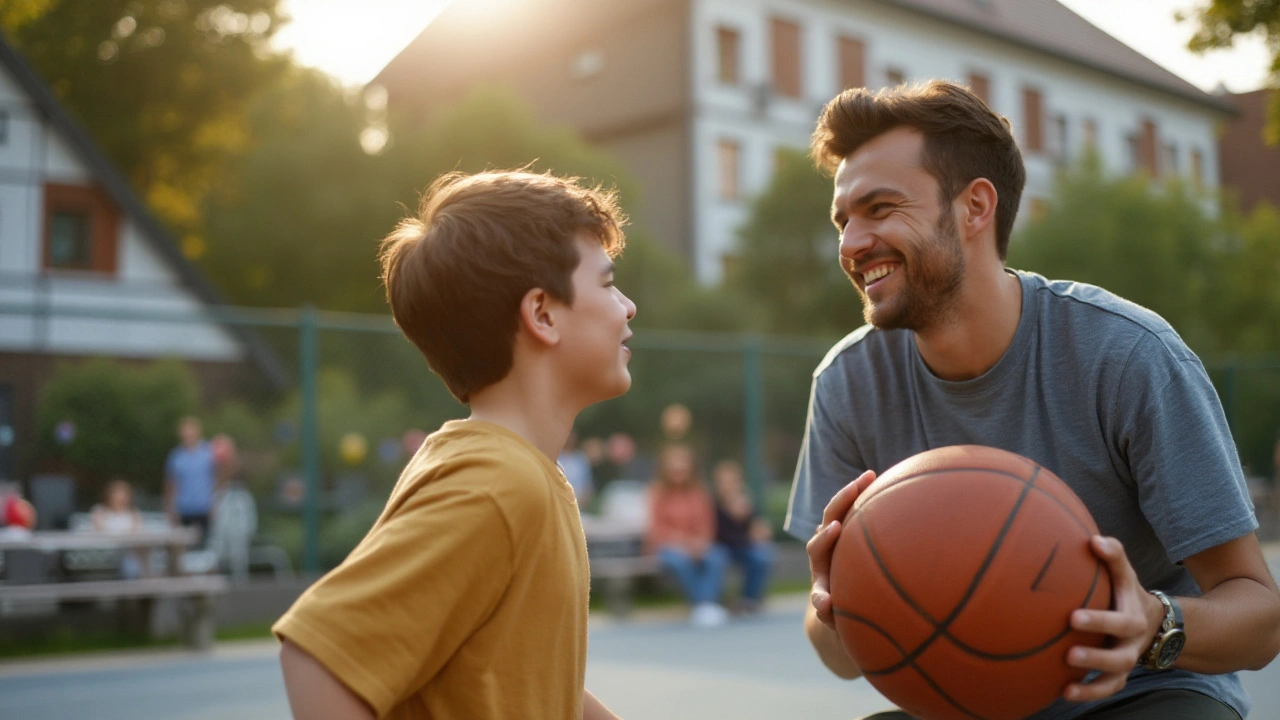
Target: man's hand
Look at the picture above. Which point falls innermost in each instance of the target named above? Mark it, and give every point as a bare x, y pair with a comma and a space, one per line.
823, 543
819, 624
1131, 624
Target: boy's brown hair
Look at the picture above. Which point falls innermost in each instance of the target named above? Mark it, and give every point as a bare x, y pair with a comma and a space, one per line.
456, 273
963, 140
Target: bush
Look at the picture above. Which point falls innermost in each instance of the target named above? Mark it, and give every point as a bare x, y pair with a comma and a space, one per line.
124, 418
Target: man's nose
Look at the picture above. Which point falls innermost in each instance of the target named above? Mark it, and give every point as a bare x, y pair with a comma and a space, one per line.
854, 241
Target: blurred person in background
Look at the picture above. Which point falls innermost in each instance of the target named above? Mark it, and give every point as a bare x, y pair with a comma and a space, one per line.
745, 536
682, 534
17, 516
117, 514
190, 476
576, 467
235, 513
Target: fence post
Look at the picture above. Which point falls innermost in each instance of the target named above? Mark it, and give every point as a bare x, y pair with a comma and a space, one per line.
753, 417
309, 351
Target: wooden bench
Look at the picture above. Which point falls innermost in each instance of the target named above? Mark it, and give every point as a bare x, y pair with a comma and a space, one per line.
196, 592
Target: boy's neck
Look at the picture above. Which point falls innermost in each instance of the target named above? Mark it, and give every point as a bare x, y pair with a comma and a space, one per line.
538, 419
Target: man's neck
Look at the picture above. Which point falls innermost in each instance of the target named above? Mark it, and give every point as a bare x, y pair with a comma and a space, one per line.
978, 329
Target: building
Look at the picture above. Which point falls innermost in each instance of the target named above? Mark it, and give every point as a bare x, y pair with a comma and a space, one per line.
79, 254
1250, 167
696, 96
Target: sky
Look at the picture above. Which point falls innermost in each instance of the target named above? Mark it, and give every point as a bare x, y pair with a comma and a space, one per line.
354, 39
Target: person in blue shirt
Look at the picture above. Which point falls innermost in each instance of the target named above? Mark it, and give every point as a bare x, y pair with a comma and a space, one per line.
189, 478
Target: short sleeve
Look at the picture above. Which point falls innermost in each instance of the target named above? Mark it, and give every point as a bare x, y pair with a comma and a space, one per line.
1175, 437
386, 620
829, 460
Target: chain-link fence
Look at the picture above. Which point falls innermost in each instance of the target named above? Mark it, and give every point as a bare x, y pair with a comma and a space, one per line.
326, 407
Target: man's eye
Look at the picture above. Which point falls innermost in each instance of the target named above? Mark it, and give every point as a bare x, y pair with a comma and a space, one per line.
880, 208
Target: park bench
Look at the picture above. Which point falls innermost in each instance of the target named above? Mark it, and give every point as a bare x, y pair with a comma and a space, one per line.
615, 544
196, 593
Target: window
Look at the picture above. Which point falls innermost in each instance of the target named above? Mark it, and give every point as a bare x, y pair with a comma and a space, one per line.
852, 63
1197, 168
1032, 120
786, 58
80, 228
728, 157
981, 86
894, 76
1169, 159
1147, 145
728, 44
1091, 133
70, 245
1061, 141
4, 128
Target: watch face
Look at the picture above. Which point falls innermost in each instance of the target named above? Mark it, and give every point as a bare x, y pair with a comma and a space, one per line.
1170, 647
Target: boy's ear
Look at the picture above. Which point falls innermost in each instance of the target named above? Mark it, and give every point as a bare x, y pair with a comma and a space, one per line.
538, 318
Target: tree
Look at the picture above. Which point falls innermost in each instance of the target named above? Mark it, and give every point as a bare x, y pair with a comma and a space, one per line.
788, 259
160, 85
1221, 21
1193, 260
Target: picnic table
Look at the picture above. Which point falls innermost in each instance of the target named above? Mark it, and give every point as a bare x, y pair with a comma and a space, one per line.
32, 575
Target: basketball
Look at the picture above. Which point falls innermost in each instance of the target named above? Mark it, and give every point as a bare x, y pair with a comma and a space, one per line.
953, 582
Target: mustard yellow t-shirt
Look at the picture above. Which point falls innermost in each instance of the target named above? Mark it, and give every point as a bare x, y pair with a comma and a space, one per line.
468, 597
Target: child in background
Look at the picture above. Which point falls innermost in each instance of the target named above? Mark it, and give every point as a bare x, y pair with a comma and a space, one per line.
117, 514
744, 535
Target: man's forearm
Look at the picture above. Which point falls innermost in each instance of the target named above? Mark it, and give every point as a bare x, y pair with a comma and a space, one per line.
830, 650
1243, 637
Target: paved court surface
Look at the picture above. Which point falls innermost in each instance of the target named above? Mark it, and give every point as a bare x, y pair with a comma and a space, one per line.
654, 667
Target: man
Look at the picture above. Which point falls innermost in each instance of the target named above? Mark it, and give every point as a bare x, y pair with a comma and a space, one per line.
960, 350
190, 475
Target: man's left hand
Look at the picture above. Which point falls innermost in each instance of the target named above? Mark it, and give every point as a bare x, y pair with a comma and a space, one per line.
1132, 625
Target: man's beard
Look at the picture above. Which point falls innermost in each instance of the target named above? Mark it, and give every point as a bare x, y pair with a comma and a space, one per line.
930, 286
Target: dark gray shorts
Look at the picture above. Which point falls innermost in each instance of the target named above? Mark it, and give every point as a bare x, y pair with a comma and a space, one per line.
1154, 705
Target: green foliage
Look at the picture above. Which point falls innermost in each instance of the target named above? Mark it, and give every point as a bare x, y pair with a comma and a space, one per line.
161, 85
1102, 230
125, 416
788, 265
1221, 21
1209, 272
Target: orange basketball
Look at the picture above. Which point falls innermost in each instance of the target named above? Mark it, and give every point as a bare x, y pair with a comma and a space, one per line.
954, 579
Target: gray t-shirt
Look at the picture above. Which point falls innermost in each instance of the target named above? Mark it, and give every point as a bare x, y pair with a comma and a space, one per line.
1097, 389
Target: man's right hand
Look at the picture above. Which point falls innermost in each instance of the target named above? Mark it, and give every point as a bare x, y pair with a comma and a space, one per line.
823, 544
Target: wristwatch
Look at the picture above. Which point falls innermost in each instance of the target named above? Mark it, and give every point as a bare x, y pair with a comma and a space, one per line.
1170, 637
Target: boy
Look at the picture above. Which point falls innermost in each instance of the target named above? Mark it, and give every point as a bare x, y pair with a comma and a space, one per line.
468, 597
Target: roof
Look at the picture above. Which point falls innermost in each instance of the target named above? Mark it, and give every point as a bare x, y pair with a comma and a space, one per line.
122, 195
1049, 27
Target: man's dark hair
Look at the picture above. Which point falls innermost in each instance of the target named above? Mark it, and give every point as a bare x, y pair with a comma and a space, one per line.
963, 140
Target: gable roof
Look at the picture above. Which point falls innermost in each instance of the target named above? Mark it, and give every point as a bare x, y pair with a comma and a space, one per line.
123, 196
1050, 27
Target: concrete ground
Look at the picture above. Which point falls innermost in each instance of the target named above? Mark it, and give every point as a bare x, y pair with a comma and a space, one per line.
653, 666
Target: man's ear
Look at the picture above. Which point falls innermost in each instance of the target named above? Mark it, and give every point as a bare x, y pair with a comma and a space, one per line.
977, 208
537, 317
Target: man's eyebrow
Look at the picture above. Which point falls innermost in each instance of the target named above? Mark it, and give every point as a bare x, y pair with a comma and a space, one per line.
608, 269
838, 214
867, 197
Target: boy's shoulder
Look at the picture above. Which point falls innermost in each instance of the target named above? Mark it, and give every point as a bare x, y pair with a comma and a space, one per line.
481, 460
